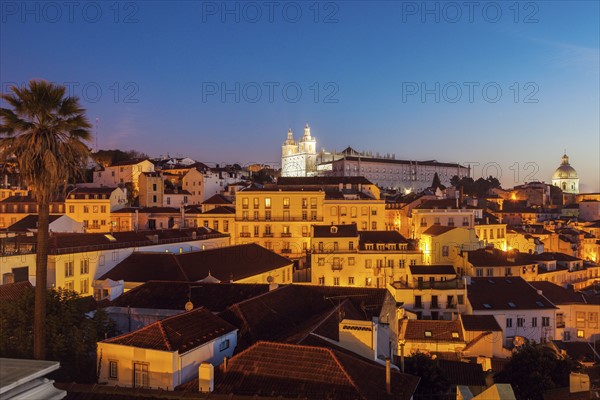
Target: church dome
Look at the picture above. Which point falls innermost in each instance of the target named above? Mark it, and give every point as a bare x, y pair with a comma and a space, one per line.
565, 171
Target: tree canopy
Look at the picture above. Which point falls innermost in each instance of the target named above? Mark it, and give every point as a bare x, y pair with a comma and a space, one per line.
432, 383
535, 368
70, 335
479, 188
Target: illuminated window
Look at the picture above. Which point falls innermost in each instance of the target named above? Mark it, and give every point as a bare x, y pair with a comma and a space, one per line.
267, 202
113, 369
580, 333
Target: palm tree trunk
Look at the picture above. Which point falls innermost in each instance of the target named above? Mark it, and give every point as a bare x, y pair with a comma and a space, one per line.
41, 279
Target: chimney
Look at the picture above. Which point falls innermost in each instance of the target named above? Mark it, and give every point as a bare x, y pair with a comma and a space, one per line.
388, 376
206, 377
225, 363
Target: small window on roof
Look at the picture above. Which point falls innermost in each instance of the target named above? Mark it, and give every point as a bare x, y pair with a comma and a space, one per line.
110, 237
487, 305
455, 335
539, 303
512, 305
428, 334
334, 229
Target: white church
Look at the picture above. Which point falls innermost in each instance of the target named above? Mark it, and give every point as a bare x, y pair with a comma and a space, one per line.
301, 159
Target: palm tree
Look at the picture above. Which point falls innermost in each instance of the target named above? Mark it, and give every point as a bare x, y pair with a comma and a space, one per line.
46, 132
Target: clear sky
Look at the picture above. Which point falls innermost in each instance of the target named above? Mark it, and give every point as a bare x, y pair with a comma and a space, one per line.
223, 81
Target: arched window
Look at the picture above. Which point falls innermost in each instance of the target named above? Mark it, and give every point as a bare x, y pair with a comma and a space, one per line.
564, 186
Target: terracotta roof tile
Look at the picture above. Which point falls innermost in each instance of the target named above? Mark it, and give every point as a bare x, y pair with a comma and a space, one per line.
333, 231
430, 330
182, 332
13, 291
480, 323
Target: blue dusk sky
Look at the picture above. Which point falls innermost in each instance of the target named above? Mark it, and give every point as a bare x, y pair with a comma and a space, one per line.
506, 86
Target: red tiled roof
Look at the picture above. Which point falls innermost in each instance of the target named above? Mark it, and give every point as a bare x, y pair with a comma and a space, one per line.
289, 310
217, 199
272, 369
13, 291
181, 332
505, 294
221, 210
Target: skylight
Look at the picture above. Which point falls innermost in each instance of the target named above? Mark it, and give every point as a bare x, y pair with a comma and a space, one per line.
428, 334
539, 303
455, 335
487, 305
512, 305
110, 237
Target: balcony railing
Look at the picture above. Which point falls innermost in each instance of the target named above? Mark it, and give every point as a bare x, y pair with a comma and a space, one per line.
560, 324
245, 234
434, 306
336, 267
268, 234
283, 219
288, 234
286, 251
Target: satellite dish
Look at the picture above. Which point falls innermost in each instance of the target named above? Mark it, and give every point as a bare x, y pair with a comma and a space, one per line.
189, 306
270, 279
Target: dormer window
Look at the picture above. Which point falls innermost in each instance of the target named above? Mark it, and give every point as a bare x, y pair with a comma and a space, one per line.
454, 335
428, 334
512, 305
334, 229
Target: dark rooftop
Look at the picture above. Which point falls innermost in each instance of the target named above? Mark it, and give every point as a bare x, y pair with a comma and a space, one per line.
480, 323
276, 369
558, 294
505, 294
217, 199
14, 291
387, 237
323, 181
431, 330
333, 231
31, 222
432, 270
182, 332
172, 295
436, 230
225, 264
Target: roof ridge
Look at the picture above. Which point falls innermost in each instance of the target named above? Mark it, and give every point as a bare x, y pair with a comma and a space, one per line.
174, 255
164, 335
337, 361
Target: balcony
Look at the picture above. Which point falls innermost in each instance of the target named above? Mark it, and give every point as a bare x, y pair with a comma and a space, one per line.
286, 219
451, 306
560, 324
245, 234
336, 267
286, 251
418, 305
268, 234
423, 224
434, 306
288, 234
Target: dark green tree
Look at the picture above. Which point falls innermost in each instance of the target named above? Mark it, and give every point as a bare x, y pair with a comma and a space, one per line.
432, 383
71, 336
535, 368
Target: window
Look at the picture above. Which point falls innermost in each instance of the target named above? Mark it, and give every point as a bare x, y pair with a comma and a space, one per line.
140, 375
321, 261
84, 267
520, 322
333, 211
313, 202
580, 318
418, 303
373, 211
479, 272
245, 202
113, 369
304, 215
413, 263
390, 263
436, 221
465, 221
71, 209
268, 215
224, 345
461, 299
490, 272
304, 203
350, 245
509, 322
154, 198
350, 280
69, 269
70, 285
350, 260
336, 281
402, 263
267, 202
321, 280
534, 322
313, 215
450, 221
580, 333
168, 200
592, 320
445, 251
86, 209
545, 321
368, 264
374, 225
363, 225
225, 226
428, 334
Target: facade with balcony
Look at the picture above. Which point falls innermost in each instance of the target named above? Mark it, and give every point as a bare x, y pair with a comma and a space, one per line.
342, 255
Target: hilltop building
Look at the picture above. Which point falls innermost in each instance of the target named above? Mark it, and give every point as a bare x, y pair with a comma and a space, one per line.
565, 177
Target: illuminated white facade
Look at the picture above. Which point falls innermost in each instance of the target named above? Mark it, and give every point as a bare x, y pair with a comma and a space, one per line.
299, 158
